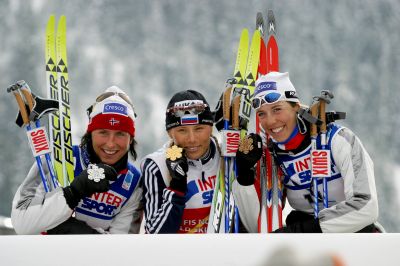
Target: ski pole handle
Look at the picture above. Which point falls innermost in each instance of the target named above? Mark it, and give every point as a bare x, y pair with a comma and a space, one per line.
324, 99
28, 97
235, 112
322, 117
314, 113
22, 107
226, 104
322, 107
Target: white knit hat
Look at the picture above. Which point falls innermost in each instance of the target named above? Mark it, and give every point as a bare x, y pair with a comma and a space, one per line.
276, 82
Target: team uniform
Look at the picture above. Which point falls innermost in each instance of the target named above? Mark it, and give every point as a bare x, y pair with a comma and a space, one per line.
35, 211
353, 203
169, 211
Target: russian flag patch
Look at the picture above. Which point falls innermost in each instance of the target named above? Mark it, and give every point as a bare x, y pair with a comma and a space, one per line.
189, 120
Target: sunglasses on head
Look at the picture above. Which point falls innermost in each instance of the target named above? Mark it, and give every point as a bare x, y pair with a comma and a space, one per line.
108, 94
194, 109
270, 98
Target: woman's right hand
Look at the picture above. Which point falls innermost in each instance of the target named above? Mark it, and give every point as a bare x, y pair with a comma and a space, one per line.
249, 152
91, 180
178, 167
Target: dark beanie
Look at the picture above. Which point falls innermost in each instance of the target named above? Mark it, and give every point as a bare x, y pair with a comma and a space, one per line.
183, 98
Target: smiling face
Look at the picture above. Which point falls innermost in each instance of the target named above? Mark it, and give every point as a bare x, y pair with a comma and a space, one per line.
194, 139
278, 119
110, 145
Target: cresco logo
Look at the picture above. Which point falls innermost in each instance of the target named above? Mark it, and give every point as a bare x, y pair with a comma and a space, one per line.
264, 86
115, 108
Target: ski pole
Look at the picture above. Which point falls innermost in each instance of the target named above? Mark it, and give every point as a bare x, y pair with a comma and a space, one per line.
278, 179
269, 166
235, 127
29, 99
218, 201
314, 134
38, 133
226, 101
325, 99
276, 195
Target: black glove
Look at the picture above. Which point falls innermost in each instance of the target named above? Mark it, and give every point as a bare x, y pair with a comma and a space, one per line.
72, 226
85, 184
249, 152
309, 226
178, 170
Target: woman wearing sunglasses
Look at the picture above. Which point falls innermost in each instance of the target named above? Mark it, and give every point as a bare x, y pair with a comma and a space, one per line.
104, 196
179, 178
352, 197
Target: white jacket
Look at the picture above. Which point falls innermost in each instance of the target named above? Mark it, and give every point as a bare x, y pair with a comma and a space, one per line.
35, 211
353, 202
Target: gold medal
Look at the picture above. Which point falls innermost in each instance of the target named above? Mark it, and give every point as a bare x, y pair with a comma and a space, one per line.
173, 153
246, 145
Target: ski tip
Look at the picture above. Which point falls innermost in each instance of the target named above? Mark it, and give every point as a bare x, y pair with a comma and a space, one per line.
260, 22
259, 19
62, 25
62, 21
270, 13
244, 36
51, 20
271, 21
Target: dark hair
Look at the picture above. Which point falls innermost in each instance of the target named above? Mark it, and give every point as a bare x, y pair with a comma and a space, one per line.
86, 140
